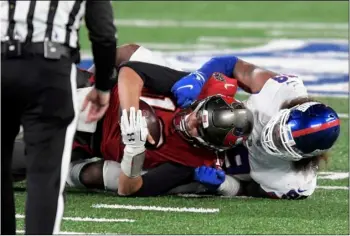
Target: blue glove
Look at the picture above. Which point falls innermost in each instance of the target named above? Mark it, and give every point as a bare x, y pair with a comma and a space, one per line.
188, 88
210, 177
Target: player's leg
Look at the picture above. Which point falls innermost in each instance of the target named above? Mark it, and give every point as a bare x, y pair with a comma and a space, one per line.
191, 188
94, 173
49, 126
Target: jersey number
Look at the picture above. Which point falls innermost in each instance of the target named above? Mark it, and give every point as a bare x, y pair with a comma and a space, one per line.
236, 161
164, 103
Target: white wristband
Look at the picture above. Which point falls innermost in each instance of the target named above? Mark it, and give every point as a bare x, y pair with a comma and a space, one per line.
132, 162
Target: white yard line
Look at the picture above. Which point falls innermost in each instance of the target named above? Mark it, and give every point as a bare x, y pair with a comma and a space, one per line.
145, 23
334, 176
343, 115
157, 208
333, 187
330, 172
87, 219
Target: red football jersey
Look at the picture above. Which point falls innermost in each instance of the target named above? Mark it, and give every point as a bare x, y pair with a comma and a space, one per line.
173, 147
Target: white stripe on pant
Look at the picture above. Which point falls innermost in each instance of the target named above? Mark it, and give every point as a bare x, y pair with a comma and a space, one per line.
66, 155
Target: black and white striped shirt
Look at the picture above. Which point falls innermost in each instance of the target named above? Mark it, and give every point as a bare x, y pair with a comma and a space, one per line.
33, 21
59, 22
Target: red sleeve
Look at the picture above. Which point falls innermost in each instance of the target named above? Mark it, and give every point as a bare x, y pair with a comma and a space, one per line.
219, 84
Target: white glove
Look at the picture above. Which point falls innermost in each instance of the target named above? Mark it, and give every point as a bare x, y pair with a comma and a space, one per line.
134, 133
134, 130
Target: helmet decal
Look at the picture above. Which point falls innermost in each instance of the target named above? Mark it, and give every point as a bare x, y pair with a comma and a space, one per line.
315, 129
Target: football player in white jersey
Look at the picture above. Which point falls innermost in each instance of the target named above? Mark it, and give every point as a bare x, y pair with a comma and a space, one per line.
291, 133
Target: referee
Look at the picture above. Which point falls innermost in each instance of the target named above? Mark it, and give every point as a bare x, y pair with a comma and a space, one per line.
39, 50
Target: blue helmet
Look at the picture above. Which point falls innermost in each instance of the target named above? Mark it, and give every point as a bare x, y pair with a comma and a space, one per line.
303, 131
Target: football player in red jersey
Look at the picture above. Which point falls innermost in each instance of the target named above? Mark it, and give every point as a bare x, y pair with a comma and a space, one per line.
181, 129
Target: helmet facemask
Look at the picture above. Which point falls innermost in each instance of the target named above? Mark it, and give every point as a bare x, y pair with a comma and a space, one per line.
222, 123
181, 123
277, 139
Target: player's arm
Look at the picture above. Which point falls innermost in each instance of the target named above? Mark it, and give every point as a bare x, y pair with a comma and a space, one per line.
134, 75
250, 77
171, 174
134, 133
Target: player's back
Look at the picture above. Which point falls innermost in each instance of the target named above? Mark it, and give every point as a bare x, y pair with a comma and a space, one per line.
272, 173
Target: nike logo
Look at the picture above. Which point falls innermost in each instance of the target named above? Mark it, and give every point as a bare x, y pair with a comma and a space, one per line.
228, 85
300, 191
186, 86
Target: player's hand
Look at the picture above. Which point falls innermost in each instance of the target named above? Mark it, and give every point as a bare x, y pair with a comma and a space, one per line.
133, 128
210, 177
99, 101
188, 88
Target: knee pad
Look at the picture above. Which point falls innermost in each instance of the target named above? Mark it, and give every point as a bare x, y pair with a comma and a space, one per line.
73, 179
111, 173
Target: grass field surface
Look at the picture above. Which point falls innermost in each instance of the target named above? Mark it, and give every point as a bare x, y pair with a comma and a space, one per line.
172, 26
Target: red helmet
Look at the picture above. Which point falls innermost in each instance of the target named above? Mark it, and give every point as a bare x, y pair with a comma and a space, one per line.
223, 122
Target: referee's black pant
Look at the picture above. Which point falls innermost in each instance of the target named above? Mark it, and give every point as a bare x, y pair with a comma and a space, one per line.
39, 94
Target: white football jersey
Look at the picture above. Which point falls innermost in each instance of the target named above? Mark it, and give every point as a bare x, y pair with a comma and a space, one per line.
276, 176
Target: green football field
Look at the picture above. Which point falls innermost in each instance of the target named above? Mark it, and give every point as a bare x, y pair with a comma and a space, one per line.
191, 25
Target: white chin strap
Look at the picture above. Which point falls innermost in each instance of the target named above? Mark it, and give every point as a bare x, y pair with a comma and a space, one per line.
279, 121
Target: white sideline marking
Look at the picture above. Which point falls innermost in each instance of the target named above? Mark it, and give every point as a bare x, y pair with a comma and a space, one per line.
144, 23
157, 208
87, 219
62, 232
342, 33
333, 187
176, 46
222, 39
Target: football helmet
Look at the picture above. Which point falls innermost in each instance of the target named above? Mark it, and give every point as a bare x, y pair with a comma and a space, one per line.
303, 131
224, 122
